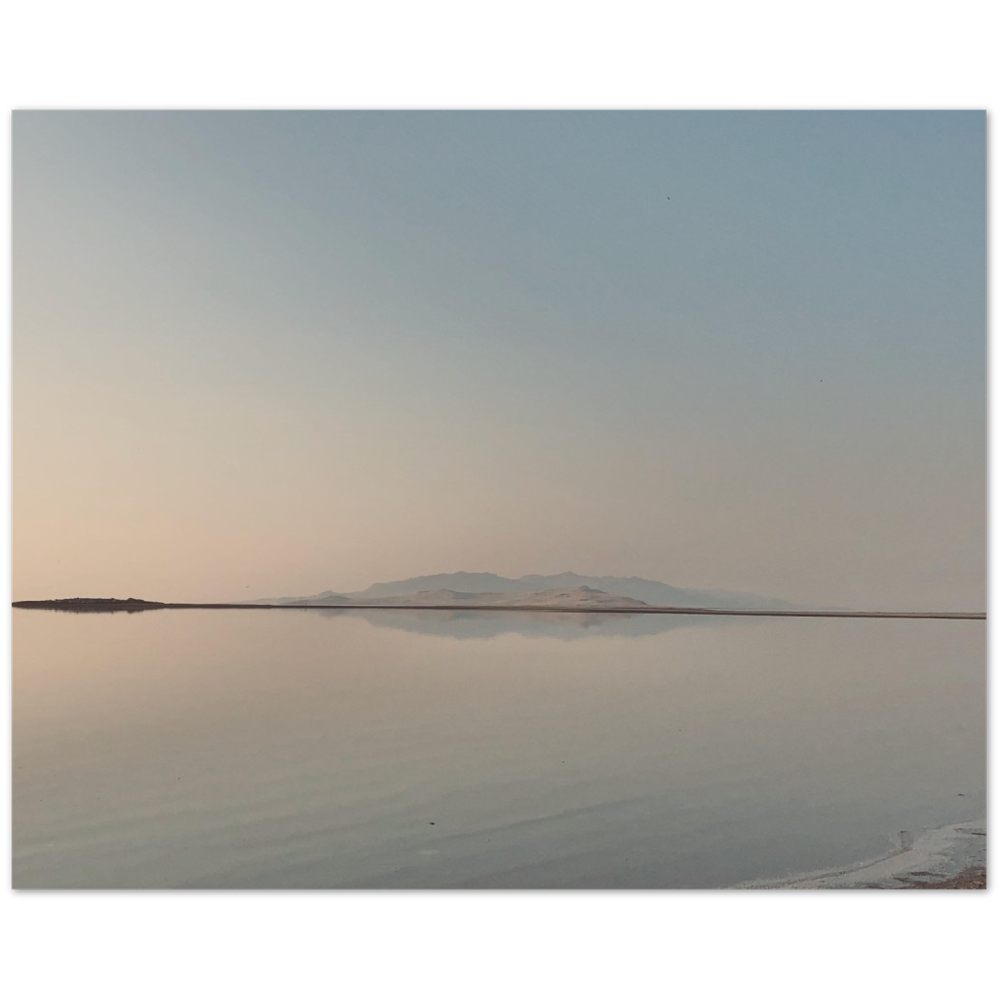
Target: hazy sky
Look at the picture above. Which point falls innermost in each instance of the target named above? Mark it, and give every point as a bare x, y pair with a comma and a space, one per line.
263, 353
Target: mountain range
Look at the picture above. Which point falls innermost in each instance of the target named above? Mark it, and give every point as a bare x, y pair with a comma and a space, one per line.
557, 590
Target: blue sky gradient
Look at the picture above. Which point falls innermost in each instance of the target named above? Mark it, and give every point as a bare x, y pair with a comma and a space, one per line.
291, 351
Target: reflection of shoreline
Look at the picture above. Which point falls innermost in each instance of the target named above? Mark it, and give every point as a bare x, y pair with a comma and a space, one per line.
455, 623
948, 857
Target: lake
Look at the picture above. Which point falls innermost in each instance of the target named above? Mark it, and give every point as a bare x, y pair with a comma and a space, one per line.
398, 749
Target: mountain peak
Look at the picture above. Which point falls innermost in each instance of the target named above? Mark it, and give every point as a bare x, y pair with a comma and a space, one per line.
468, 584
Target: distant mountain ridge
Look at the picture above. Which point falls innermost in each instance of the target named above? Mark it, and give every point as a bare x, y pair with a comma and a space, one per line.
575, 589
651, 592
327, 597
582, 597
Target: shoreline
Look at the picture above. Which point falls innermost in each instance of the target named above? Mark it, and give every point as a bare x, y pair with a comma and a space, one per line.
946, 857
112, 604
970, 878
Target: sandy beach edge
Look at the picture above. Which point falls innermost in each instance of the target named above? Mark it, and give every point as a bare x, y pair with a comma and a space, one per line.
947, 857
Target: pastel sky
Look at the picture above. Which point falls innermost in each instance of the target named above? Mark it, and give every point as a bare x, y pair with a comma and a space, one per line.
263, 353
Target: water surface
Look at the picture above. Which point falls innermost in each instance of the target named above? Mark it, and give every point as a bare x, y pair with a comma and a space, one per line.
311, 749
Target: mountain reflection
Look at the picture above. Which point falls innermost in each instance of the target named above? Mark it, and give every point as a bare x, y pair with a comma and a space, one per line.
551, 624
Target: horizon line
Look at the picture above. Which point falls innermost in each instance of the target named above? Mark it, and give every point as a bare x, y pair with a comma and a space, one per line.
113, 604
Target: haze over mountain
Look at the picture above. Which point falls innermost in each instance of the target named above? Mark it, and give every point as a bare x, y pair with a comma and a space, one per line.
557, 590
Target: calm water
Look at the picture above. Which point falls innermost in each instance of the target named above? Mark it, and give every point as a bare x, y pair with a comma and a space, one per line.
308, 749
